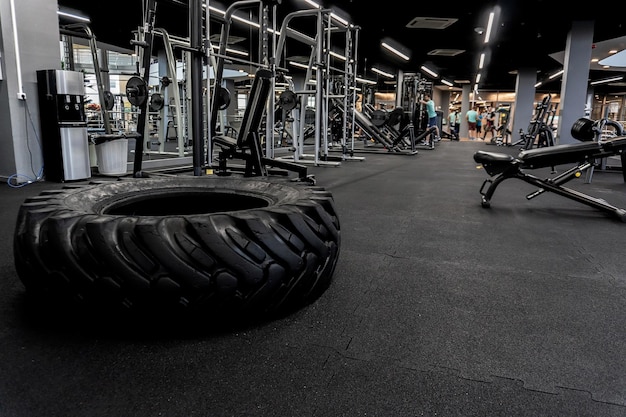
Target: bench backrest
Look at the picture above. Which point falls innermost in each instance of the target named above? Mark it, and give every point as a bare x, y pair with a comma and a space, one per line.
255, 108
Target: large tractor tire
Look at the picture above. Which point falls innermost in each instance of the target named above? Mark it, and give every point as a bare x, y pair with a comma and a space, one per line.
219, 249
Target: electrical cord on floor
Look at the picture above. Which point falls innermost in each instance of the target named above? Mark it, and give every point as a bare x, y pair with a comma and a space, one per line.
14, 180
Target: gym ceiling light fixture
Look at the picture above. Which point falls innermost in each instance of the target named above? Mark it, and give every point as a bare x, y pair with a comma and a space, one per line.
429, 71
242, 20
338, 56
395, 51
333, 15
556, 74
446, 82
383, 73
481, 61
232, 51
365, 81
489, 27
607, 80
301, 65
73, 16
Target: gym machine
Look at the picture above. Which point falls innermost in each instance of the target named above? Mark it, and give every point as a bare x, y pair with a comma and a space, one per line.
502, 132
171, 105
247, 146
395, 140
340, 89
539, 132
425, 136
585, 129
320, 91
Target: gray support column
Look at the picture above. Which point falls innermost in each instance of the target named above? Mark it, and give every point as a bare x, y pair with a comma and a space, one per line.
524, 105
575, 78
37, 29
445, 108
465, 106
589, 102
399, 88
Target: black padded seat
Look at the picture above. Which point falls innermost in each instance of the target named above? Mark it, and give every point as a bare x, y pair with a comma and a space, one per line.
225, 141
559, 154
495, 162
492, 157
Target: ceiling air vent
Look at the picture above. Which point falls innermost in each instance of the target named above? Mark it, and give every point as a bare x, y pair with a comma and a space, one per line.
446, 52
430, 23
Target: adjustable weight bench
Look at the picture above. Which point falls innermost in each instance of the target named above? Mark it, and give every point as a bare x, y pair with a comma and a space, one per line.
504, 166
247, 145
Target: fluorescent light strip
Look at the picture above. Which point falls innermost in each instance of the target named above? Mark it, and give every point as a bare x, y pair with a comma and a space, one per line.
429, 71
607, 80
481, 62
556, 74
301, 65
383, 73
489, 26
446, 82
477, 78
339, 19
538, 84
232, 51
333, 15
336, 55
364, 81
395, 51
73, 16
241, 19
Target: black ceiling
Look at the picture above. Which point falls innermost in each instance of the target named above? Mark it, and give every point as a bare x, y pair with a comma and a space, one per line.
525, 34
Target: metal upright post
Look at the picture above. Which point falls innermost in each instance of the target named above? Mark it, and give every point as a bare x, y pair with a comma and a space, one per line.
146, 45
195, 28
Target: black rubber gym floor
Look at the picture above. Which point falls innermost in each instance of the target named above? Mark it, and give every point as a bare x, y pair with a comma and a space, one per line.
438, 307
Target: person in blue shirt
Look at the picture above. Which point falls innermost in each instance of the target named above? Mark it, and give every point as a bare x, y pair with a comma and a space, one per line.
472, 117
432, 113
452, 122
479, 124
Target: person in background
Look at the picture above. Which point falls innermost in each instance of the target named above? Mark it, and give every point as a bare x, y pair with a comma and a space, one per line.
432, 113
479, 123
457, 127
452, 123
490, 125
471, 116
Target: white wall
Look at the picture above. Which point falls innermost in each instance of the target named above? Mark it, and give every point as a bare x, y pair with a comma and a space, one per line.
38, 40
